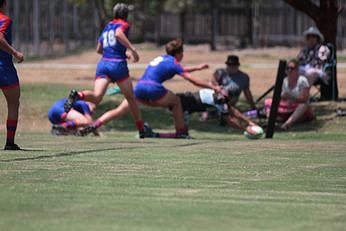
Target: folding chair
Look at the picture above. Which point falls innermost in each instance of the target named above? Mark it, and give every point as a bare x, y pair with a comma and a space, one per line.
329, 68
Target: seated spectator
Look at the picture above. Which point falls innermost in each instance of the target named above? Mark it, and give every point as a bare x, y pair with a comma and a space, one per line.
294, 106
234, 81
313, 57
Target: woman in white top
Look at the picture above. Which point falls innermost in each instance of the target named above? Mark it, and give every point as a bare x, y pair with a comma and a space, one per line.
294, 105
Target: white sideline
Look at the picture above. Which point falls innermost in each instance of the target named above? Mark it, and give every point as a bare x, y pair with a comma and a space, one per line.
136, 66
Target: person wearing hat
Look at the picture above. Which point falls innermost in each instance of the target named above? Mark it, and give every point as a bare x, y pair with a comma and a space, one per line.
313, 56
234, 81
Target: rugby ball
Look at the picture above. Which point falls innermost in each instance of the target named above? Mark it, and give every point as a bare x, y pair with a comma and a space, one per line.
256, 132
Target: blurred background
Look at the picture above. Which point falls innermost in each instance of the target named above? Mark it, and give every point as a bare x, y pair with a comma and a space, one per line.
53, 27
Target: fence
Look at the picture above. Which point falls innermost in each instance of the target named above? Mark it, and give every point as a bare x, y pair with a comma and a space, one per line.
51, 27
266, 23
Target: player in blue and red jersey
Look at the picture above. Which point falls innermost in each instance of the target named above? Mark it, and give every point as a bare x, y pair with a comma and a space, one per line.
113, 44
68, 123
9, 82
151, 92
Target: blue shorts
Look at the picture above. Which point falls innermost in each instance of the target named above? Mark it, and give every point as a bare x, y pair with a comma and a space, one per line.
149, 91
57, 114
8, 75
116, 71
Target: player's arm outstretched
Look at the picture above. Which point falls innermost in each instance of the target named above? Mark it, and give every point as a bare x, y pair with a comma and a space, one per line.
121, 37
196, 68
236, 120
200, 83
10, 49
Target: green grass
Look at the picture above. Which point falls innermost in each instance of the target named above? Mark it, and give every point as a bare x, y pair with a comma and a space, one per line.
218, 181
119, 183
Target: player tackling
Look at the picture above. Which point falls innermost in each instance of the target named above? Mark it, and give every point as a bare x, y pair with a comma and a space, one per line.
151, 91
112, 68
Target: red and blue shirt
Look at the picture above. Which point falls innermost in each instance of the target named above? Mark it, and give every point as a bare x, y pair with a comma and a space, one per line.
5, 29
113, 49
161, 69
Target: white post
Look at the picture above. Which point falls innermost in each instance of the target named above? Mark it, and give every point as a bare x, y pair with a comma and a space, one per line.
65, 26
51, 25
75, 22
36, 26
255, 24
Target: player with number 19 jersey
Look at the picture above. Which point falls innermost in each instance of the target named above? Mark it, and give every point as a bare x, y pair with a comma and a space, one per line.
113, 64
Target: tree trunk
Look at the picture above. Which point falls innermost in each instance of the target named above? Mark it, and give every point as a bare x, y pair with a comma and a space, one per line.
36, 27
326, 18
102, 13
328, 25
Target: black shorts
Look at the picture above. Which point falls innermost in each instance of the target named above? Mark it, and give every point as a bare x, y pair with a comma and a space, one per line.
191, 102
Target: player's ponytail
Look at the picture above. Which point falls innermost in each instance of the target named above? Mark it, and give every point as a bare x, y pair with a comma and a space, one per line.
121, 11
174, 47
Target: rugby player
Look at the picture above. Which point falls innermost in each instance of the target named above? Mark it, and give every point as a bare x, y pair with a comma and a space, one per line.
66, 123
9, 82
112, 68
204, 99
151, 92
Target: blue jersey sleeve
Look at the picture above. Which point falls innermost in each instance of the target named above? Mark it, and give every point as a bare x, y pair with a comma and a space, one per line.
179, 69
112, 48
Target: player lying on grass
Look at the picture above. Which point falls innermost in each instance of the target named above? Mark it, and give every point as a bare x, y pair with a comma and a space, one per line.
67, 123
151, 92
9, 82
204, 99
113, 44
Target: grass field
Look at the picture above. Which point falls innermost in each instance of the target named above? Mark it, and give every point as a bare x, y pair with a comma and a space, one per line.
218, 181
222, 183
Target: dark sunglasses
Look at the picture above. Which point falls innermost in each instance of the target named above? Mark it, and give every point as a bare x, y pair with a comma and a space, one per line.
290, 68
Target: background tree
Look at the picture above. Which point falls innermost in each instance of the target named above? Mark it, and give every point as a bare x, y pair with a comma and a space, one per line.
325, 15
104, 8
